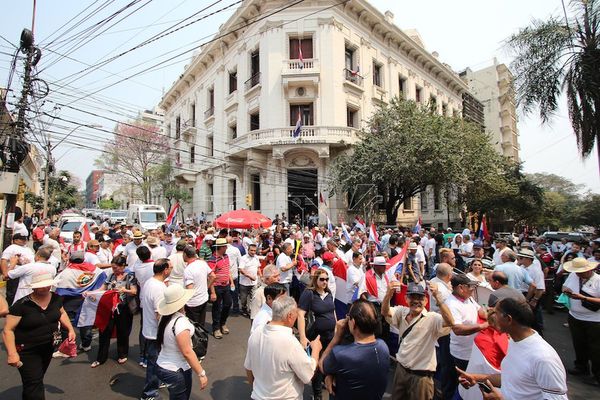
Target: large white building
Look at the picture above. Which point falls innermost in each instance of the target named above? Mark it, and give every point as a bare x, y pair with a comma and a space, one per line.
494, 87
232, 113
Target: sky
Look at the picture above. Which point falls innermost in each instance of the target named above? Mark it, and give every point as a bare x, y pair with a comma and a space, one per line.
465, 33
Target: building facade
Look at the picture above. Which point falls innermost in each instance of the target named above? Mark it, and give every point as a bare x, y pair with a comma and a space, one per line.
92, 188
493, 86
232, 114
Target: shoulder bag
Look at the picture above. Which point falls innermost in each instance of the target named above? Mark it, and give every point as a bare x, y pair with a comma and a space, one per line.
199, 339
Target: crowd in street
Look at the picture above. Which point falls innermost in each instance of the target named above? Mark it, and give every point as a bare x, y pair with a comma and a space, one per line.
452, 315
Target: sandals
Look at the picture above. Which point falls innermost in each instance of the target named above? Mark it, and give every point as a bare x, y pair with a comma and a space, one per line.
122, 360
95, 364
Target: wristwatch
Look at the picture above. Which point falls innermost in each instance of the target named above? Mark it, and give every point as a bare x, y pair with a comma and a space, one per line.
202, 374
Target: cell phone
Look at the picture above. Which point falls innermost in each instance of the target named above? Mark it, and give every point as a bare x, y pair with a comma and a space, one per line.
484, 387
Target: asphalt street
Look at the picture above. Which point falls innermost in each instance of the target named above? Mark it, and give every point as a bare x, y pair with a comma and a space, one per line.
74, 379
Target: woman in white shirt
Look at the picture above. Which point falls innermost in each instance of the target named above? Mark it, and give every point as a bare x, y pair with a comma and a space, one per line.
177, 359
476, 273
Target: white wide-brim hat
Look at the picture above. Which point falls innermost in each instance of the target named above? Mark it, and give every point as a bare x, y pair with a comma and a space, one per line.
41, 280
175, 298
579, 264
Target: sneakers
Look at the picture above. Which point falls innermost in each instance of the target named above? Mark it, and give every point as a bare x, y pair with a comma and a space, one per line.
143, 363
58, 354
84, 349
217, 334
225, 330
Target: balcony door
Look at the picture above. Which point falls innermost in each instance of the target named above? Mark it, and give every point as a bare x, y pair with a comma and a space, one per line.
306, 114
305, 44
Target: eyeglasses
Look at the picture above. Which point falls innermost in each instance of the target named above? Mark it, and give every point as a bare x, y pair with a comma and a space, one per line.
323, 279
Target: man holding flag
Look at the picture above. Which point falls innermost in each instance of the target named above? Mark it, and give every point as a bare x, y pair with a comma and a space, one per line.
79, 277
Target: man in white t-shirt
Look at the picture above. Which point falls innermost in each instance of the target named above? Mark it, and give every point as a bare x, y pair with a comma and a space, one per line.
354, 275
500, 248
356, 244
235, 256
156, 249
249, 267
526, 259
52, 241
465, 312
143, 268
24, 273
151, 294
198, 276
265, 314
532, 369
285, 265
137, 241
22, 255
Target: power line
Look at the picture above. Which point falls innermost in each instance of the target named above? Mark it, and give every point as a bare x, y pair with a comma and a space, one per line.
68, 22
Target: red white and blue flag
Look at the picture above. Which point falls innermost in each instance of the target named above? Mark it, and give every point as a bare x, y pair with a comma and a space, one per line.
374, 237
298, 128
483, 231
172, 214
345, 233
417, 227
329, 227
97, 309
359, 223
300, 54
85, 232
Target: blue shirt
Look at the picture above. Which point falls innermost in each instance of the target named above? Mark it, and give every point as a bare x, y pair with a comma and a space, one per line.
360, 370
515, 274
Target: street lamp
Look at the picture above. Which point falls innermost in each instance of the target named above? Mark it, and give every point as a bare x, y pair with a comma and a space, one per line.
49, 149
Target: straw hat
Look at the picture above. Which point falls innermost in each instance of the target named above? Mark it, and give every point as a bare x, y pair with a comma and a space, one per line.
138, 235
413, 246
41, 280
174, 300
379, 260
152, 241
579, 264
221, 242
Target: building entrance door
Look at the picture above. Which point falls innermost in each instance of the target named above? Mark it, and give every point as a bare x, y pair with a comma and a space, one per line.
302, 195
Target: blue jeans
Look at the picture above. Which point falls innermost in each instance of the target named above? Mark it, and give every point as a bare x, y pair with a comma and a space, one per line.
235, 297
151, 384
178, 382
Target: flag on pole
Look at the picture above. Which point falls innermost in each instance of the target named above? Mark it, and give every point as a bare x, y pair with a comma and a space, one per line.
359, 224
85, 232
329, 227
172, 214
417, 227
373, 237
298, 128
346, 234
300, 54
355, 72
322, 199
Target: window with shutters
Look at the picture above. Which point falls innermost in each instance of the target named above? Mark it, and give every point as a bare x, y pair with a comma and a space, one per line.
305, 111
306, 44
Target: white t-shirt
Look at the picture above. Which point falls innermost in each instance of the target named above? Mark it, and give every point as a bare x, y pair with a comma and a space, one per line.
91, 258
429, 247
444, 289
250, 266
176, 275
25, 272
158, 252
143, 272
196, 274
592, 288
466, 248
264, 316
234, 259
532, 370
170, 357
284, 276
463, 313
105, 256
20, 228
354, 276
536, 273
496, 258
25, 254
382, 286
150, 295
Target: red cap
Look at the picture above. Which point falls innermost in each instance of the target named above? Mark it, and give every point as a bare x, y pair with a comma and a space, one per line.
328, 256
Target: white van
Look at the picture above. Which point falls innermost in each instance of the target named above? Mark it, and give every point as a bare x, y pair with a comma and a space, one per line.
146, 216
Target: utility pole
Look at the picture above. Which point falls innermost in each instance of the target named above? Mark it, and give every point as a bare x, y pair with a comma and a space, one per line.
47, 177
18, 146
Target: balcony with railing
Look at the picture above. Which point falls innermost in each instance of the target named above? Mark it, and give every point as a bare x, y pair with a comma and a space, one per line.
353, 77
184, 172
265, 138
253, 82
189, 133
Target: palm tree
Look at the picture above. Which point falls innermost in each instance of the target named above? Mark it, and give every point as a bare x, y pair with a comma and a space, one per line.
562, 55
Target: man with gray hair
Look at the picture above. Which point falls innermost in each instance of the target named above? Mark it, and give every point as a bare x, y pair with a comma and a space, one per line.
356, 245
25, 272
276, 365
285, 264
270, 275
517, 276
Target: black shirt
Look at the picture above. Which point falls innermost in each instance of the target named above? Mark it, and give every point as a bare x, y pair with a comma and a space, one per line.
36, 326
323, 310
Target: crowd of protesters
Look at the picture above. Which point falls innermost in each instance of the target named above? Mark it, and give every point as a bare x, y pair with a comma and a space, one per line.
446, 314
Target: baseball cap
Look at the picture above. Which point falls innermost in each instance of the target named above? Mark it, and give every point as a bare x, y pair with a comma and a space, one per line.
462, 279
328, 256
415, 288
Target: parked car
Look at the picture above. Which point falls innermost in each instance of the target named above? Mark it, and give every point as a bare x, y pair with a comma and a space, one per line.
570, 236
69, 225
118, 216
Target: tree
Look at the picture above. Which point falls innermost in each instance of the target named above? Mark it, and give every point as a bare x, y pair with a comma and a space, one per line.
107, 204
133, 153
562, 56
165, 183
407, 148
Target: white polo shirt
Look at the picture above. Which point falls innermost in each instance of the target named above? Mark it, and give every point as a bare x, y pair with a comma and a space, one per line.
196, 274
279, 364
464, 312
250, 266
532, 370
284, 276
151, 294
263, 317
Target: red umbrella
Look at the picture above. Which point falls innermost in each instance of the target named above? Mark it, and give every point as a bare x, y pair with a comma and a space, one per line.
242, 219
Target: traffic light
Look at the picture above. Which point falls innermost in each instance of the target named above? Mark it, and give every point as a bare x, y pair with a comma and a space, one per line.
249, 200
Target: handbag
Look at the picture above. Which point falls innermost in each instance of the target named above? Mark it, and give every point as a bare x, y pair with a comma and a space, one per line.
588, 304
199, 338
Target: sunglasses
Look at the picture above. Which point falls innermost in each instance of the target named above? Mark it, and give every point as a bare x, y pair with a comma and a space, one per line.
323, 279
